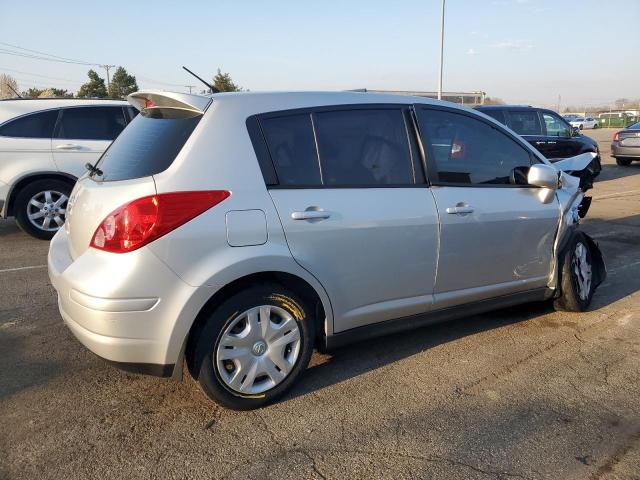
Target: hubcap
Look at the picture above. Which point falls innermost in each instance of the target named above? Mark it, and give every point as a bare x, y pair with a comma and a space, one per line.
46, 210
258, 349
582, 270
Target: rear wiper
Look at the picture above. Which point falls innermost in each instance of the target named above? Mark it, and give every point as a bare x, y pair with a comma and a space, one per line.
93, 170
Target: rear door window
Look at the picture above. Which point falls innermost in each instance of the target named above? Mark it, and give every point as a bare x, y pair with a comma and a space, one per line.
496, 114
90, 123
35, 125
464, 150
525, 122
365, 147
292, 147
149, 144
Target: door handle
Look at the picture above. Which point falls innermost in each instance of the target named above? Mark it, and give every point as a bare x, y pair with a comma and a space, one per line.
68, 146
310, 215
461, 208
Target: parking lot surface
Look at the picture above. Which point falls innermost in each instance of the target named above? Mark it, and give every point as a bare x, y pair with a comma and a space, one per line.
525, 392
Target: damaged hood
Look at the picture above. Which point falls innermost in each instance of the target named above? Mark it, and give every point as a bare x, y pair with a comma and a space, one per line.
575, 164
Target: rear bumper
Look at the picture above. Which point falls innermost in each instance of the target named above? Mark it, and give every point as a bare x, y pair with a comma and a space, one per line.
620, 151
125, 308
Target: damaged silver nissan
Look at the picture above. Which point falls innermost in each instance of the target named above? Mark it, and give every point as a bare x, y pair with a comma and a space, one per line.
236, 233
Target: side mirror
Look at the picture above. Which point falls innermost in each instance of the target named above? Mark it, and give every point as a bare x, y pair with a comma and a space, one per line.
541, 175
575, 131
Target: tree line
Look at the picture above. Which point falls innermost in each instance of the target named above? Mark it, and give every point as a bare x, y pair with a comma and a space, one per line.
119, 86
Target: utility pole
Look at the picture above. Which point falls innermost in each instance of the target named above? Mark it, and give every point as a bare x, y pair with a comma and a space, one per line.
107, 67
559, 98
190, 87
441, 51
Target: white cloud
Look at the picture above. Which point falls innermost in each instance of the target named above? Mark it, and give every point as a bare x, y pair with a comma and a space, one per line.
472, 51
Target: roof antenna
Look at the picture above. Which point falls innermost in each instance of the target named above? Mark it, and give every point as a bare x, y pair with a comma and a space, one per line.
211, 87
14, 91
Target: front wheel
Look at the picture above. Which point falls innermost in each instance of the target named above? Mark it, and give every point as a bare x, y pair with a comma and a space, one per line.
253, 347
577, 283
41, 206
623, 162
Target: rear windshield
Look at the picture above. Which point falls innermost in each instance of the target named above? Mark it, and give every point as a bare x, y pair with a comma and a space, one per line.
148, 145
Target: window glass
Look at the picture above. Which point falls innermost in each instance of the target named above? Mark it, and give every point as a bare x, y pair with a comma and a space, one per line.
556, 127
91, 123
497, 114
293, 150
149, 145
525, 122
36, 125
364, 147
469, 151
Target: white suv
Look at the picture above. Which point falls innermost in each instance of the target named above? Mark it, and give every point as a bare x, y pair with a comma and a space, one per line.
44, 146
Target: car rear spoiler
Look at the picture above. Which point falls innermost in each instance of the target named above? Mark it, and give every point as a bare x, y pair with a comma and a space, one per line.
182, 101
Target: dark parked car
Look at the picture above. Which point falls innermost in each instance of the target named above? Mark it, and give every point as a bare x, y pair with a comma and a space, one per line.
625, 146
548, 132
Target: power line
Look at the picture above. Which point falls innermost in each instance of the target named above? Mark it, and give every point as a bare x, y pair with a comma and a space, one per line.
47, 54
41, 76
5, 51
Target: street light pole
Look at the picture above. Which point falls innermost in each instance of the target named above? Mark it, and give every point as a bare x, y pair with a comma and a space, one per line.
441, 51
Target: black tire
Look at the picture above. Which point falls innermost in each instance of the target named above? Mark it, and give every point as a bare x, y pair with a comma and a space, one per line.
580, 127
595, 126
570, 299
20, 209
203, 364
623, 162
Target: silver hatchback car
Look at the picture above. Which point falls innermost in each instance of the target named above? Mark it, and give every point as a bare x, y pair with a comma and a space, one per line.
237, 232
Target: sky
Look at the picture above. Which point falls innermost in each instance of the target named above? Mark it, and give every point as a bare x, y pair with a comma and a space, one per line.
523, 51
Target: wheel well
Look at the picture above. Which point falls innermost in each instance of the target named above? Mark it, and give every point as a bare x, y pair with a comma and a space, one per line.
23, 182
291, 282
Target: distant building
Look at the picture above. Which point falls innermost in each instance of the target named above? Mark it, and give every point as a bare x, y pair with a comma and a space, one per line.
463, 98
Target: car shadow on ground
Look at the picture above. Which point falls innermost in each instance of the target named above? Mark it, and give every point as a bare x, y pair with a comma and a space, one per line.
613, 172
360, 358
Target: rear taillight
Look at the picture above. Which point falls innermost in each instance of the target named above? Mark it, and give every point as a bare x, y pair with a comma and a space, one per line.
616, 137
142, 221
149, 103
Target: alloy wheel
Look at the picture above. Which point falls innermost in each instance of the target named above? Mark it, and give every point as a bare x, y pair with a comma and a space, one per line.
46, 210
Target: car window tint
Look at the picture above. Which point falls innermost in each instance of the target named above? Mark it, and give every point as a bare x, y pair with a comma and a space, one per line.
364, 147
497, 114
469, 151
525, 122
149, 145
36, 125
292, 148
91, 123
555, 126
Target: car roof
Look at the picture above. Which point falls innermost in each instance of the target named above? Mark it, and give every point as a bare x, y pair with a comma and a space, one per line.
499, 107
251, 103
16, 107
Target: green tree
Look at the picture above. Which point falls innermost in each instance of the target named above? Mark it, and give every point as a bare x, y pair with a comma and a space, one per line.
33, 92
94, 88
122, 84
224, 83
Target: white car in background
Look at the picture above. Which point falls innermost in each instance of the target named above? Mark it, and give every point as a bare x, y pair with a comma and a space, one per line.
44, 146
584, 122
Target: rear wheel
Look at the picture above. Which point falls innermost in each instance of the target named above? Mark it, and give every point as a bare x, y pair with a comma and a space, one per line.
41, 206
576, 276
623, 162
253, 347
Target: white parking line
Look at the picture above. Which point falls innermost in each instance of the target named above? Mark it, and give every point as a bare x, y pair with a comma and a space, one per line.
17, 269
